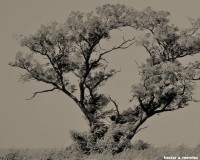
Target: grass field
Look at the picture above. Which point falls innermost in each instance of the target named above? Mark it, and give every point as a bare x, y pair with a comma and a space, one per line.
135, 153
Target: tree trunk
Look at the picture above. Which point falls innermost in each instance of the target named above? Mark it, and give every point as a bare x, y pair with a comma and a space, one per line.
87, 114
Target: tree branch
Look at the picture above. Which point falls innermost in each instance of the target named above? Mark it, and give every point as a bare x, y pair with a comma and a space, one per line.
140, 129
104, 78
166, 110
116, 106
90, 90
44, 91
121, 46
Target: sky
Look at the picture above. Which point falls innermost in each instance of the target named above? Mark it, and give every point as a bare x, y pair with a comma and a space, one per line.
46, 120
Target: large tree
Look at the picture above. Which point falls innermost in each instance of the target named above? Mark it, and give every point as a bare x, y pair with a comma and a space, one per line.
70, 58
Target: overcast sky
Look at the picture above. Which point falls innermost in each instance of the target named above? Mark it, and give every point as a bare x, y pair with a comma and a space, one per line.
46, 120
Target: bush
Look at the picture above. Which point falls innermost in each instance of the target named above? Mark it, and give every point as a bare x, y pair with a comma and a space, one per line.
141, 145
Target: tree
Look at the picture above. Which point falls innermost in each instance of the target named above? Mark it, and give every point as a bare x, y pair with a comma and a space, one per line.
73, 49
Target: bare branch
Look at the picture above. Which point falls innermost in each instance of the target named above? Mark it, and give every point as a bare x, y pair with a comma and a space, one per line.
140, 129
106, 77
166, 110
116, 106
147, 49
44, 91
76, 74
121, 46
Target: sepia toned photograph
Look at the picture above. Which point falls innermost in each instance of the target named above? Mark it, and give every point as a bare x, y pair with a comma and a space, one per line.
99, 80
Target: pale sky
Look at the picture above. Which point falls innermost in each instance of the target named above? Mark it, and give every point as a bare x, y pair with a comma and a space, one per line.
46, 120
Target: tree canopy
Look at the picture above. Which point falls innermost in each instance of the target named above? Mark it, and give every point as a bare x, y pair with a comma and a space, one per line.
73, 48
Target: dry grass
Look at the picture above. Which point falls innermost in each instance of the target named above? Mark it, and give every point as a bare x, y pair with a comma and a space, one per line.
136, 153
